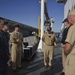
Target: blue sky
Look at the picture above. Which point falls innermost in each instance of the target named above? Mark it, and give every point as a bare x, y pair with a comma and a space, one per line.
27, 11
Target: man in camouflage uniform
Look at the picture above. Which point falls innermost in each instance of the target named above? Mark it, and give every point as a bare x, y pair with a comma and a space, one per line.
16, 39
48, 38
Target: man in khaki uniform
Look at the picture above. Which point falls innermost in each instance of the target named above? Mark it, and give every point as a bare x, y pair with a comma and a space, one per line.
48, 39
64, 34
16, 39
69, 48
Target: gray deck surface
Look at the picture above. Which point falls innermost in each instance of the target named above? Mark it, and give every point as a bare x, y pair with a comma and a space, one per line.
36, 66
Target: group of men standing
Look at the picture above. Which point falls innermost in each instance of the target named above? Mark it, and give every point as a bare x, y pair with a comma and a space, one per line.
16, 39
67, 44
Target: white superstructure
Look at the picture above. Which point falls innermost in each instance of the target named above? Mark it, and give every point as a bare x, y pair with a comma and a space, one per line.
69, 5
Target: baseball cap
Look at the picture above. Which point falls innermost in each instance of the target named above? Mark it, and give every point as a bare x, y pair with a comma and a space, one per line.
65, 20
71, 12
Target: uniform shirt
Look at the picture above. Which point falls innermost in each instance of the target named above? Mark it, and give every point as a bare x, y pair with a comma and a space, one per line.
16, 37
64, 34
71, 37
49, 39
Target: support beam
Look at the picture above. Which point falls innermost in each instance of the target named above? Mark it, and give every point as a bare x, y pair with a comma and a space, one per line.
40, 47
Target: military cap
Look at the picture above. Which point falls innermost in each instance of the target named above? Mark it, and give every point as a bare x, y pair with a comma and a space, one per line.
71, 12
16, 25
65, 20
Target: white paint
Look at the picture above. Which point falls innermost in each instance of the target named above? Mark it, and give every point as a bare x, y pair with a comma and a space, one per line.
69, 5
40, 47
